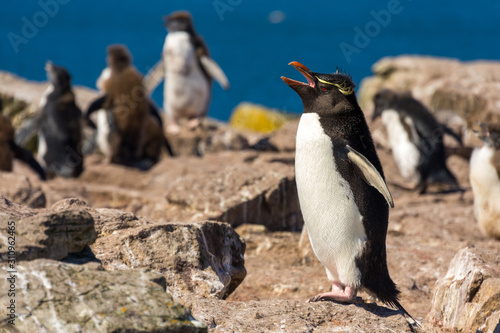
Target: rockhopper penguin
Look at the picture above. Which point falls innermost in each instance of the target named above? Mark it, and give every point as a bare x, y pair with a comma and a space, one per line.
343, 196
416, 139
59, 123
485, 180
188, 71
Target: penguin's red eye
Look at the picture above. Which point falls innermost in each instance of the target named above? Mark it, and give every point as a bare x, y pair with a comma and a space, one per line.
324, 89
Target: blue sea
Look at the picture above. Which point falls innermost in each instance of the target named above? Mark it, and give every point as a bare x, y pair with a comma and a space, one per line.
253, 41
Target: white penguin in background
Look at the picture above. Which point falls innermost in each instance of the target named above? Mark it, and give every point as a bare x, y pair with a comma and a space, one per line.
187, 70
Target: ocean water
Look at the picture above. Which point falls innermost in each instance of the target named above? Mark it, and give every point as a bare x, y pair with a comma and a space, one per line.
253, 41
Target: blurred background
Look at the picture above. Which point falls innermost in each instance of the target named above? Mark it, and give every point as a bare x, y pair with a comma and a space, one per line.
253, 41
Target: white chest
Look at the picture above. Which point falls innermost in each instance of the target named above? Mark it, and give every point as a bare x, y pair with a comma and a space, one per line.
405, 152
186, 88
332, 218
46, 93
484, 181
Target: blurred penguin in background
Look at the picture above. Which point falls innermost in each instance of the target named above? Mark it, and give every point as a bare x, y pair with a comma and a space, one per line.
129, 127
416, 139
485, 180
10, 150
188, 71
59, 123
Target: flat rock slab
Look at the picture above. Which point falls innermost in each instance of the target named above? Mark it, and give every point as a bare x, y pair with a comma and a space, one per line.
44, 233
52, 296
468, 297
296, 316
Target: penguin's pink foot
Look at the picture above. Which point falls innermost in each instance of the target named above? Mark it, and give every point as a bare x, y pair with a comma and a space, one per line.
193, 123
173, 128
339, 293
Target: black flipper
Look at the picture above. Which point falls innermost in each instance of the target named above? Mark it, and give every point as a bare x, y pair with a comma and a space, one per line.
153, 110
167, 146
94, 106
26, 157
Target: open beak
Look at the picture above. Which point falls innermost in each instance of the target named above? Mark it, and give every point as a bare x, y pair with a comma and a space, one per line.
304, 71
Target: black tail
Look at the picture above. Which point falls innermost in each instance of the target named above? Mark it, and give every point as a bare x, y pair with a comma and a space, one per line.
167, 146
412, 321
25, 156
451, 133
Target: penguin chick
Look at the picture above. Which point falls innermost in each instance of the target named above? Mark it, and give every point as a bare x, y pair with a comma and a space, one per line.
416, 139
342, 192
485, 180
10, 150
188, 71
59, 123
126, 117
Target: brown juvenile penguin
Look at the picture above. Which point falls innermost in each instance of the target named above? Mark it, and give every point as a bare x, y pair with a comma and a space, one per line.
129, 121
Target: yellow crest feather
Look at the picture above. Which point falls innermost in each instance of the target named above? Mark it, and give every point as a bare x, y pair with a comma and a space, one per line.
343, 88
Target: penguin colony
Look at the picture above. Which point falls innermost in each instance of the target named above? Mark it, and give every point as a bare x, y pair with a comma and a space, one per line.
341, 185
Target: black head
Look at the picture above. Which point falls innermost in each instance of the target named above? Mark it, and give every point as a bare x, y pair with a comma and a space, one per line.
386, 99
58, 76
118, 56
489, 134
324, 93
179, 21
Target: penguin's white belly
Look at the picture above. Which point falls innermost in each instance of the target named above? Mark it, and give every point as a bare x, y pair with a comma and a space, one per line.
486, 187
186, 89
104, 128
42, 149
332, 218
405, 152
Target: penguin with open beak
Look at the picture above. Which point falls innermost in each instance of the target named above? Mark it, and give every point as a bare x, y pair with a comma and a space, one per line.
342, 191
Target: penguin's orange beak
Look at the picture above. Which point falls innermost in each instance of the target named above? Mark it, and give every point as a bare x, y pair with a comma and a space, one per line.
304, 71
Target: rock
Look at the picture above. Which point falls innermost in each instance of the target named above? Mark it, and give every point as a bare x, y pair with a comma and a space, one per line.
253, 117
52, 296
468, 297
282, 140
44, 233
203, 258
20, 190
296, 316
470, 89
212, 136
234, 187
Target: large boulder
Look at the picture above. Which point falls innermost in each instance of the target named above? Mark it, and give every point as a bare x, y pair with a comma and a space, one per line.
51, 296
44, 233
204, 259
234, 187
468, 297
